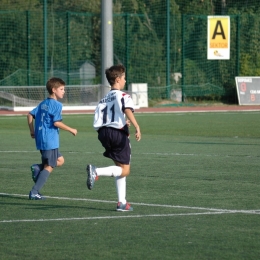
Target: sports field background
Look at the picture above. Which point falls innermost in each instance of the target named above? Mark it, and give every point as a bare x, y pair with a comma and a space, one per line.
194, 186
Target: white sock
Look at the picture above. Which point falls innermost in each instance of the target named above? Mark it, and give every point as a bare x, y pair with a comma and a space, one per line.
111, 171
121, 189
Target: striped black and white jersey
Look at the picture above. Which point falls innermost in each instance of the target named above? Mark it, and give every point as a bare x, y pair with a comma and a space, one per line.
110, 110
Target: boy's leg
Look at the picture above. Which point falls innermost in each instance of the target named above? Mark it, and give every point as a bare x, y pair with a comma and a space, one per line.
119, 169
121, 189
50, 159
122, 204
60, 161
93, 172
119, 151
35, 170
121, 182
111, 171
42, 179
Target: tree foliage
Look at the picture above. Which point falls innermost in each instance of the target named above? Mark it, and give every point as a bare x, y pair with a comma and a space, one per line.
140, 39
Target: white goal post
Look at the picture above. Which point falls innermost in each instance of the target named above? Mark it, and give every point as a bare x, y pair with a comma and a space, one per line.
77, 97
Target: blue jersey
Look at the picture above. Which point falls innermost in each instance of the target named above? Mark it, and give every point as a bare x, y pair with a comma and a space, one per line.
46, 133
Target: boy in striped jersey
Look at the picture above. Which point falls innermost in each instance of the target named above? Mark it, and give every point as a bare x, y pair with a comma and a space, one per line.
112, 119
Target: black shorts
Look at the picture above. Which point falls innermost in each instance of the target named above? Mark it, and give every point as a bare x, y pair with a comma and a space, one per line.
50, 157
116, 143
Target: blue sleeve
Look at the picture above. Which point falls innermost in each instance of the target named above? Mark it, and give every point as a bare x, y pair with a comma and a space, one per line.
56, 111
33, 112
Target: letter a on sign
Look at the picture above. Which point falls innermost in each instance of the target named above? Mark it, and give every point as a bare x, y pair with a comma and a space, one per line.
218, 38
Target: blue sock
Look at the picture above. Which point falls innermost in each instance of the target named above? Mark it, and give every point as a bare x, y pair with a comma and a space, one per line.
43, 176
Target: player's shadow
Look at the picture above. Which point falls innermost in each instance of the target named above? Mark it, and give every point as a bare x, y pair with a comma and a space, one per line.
43, 204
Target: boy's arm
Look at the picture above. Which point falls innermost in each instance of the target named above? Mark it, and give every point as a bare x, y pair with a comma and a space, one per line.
30, 124
131, 117
62, 126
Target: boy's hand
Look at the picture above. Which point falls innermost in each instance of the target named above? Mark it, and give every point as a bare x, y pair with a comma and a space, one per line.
74, 131
138, 135
128, 122
131, 118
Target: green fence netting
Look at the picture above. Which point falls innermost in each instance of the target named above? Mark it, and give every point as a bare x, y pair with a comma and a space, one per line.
161, 43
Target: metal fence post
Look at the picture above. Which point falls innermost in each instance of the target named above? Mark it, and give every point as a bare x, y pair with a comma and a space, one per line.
238, 45
28, 48
68, 47
45, 40
168, 49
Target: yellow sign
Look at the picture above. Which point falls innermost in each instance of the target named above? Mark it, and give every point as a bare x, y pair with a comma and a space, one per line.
218, 37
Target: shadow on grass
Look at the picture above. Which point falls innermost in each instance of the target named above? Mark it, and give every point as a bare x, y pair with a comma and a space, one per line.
43, 204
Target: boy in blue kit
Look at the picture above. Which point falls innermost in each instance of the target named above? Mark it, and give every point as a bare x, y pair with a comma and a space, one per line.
48, 120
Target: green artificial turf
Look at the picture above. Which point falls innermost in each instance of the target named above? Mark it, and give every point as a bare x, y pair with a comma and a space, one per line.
194, 186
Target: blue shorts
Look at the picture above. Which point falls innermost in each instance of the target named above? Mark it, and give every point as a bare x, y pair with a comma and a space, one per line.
50, 157
116, 144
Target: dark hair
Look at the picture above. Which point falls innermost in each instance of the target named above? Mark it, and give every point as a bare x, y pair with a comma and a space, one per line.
113, 72
54, 83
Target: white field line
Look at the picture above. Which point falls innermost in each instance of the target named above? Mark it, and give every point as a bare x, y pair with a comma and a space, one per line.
139, 204
19, 151
209, 211
163, 154
110, 217
201, 113
24, 116
142, 113
6, 116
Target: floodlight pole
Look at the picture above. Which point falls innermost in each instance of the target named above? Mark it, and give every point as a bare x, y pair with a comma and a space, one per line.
106, 40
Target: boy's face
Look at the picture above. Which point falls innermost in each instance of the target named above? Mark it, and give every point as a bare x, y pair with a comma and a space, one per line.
59, 92
121, 81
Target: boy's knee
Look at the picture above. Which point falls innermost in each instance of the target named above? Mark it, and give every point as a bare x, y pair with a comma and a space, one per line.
60, 161
125, 172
